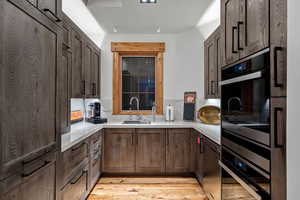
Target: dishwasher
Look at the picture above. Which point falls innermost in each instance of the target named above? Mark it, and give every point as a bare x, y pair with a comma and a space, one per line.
211, 170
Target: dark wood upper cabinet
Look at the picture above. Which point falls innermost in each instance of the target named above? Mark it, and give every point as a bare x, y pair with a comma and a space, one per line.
253, 27
78, 82
229, 19
245, 28
212, 63
29, 74
119, 151
150, 150
278, 53
96, 77
65, 94
88, 71
85, 63
178, 150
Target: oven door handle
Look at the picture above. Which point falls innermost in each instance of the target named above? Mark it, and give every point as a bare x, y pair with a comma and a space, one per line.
240, 181
247, 77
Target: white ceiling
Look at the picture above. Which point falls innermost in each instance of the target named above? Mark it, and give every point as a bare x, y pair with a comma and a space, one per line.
129, 16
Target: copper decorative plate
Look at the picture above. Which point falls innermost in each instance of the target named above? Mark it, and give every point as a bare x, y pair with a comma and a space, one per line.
209, 115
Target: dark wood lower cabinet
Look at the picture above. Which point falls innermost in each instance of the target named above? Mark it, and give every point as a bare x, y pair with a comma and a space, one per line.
95, 158
119, 151
150, 150
178, 150
36, 182
199, 156
211, 170
278, 150
77, 187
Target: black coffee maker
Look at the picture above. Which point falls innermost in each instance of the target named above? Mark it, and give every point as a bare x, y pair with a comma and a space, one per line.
94, 113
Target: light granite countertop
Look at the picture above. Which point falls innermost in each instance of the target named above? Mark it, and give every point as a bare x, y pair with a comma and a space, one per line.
83, 130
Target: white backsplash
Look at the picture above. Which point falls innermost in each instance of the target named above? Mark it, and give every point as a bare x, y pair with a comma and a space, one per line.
106, 108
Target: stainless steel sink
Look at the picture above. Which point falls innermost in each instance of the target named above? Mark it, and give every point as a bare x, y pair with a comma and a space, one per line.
136, 122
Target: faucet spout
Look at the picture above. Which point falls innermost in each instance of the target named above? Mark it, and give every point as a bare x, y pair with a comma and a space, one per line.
137, 102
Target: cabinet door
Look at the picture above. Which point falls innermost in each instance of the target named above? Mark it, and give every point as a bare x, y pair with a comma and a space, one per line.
211, 176
218, 71
41, 185
199, 158
210, 63
253, 26
178, 150
77, 187
95, 158
119, 151
65, 84
78, 84
278, 54
96, 74
230, 14
150, 150
278, 150
88, 70
28, 83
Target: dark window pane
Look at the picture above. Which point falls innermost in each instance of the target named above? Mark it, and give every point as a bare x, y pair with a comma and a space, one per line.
138, 80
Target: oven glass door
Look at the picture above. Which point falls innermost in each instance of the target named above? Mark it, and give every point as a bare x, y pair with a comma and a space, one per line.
246, 106
242, 180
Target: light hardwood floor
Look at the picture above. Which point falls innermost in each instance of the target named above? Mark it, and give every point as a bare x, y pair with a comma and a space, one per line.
147, 188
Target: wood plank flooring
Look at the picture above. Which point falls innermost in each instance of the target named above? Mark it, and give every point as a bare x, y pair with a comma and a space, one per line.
147, 188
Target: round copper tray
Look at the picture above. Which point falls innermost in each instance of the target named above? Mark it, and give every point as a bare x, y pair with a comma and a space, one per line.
209, 115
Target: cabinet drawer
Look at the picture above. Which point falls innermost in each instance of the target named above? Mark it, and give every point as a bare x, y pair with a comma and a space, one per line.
73, 157
77, 187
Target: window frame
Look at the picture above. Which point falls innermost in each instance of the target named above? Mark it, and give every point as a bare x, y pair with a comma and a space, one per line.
138, 49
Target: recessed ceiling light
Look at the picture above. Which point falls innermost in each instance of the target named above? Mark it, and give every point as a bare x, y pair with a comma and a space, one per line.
148, 1
115, 30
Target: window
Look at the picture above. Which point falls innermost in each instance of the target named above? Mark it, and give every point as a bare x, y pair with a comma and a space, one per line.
137, 75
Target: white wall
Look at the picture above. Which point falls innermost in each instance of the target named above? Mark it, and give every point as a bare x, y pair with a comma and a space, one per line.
183, 65
293, 132
107, 60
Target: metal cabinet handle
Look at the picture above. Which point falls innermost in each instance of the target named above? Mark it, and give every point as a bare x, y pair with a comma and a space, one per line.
66, 46
51, 13
241, 182
77, 178
79, 147
277, 83
239, 39
201, 144
234, 28
36, 169
278, 130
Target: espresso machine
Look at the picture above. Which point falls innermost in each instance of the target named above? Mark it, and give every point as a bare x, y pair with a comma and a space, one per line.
94, 113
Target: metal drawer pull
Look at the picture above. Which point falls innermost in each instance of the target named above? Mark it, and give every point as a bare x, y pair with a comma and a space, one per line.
79, 147
49, 11
233, 29
77, 178
247, 77
36, 169
240, 181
